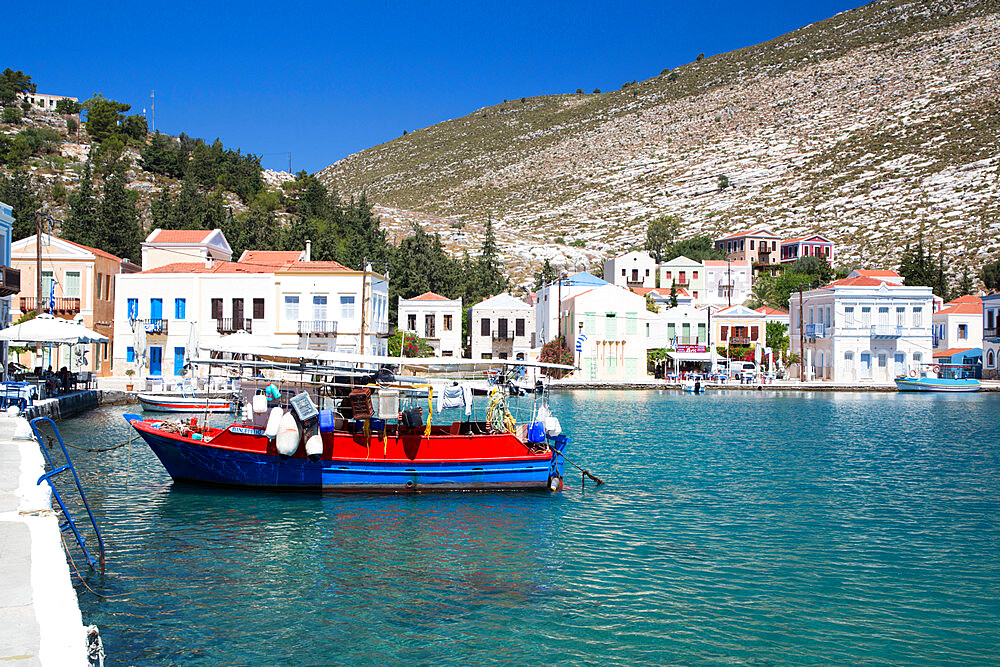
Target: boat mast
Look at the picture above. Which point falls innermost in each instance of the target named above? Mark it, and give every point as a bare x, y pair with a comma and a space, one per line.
364, 284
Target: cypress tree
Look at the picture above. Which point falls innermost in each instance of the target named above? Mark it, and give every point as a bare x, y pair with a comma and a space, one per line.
84, 218
119, 232
19, 191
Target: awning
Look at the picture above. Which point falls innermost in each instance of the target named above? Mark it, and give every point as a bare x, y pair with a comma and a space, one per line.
691, 356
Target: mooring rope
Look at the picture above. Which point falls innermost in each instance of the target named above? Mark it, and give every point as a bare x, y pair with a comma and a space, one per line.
92, 449
584, 473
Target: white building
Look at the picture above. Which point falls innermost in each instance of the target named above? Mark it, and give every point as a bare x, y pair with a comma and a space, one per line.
686, 274
502, 327
959, 324
685, 324
609, 321
991, 336
546, 324
727, 282
315, 305
170, 246
633, 269
10, 278
435, 318
862, 329
43, 100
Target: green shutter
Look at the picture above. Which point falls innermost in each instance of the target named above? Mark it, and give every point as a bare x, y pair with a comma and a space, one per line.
702, 335
630, 322
670, 332
590, 324
631, 367
610, 328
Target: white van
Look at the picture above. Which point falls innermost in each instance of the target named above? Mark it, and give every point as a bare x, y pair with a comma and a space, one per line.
745, 369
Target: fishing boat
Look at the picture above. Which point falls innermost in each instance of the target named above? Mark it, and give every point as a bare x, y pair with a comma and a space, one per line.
947, 378
330, 421
693, 386
185, 402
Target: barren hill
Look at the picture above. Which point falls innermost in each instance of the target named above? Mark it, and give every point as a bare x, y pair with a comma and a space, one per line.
866, 127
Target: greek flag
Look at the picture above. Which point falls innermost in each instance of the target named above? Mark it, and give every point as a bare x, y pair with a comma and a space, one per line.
52, 296
579, 342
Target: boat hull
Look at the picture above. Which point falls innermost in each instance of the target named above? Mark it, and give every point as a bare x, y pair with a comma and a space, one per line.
937, 385
246, 459
182, 403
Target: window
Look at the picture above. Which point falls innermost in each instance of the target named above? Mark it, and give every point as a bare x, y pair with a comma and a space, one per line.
487, 355
319, 307
623, 273
258, 309
774, 245
647, 273
72, 287
429, 326
502, 327
918, 316
347, 306
683, 277
849, 317
47, 275
130, 354
133, 309
519, 326
696, 294
989, 319
866, 316
963, 331
484, 327
990, 359
635, 275
178, 360
180, 308
694, 275
411, 322
217, 308
900, 314
751, 244
291, 307
849, 356
156, 309
883, 359
446, 326
503, 355
668, 275
917, 358
724, 332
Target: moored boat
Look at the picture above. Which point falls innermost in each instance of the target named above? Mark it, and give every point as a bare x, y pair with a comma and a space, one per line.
181, 402
947, 378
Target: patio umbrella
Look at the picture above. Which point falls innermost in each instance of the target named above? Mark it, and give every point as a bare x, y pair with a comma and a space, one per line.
47, 329
139, 344
191, 349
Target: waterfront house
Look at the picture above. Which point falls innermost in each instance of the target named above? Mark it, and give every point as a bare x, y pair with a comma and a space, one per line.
739, 326
78, 282
758, 246
991, 336
546, 312
633, 269
806, 246
609, 323
435, 318
502, 327
727, 282
10, 276
959, 324
862, 329
290, 302
686, 274
170, 246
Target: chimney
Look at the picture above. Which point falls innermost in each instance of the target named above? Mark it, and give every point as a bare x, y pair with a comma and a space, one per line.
309, 245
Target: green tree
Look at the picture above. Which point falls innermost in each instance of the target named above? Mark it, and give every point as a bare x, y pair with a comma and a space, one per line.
12, 115
415, 346
991, 276
66, 106
119, 231
660, 235
134, 127
673, 294
698, 248
103, 116
965, 285
12, 83
776, 338
84, 217
545, 275
814, 266
492, 279
19, 191
556, 352
72, 126
256, 229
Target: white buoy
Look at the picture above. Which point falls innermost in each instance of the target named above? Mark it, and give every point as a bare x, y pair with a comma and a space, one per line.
288, 436
552, 426
314, 447
259, 404
273, 421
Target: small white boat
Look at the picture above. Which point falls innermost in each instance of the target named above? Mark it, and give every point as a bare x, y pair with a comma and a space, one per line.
186, 402
946, 378
693, 386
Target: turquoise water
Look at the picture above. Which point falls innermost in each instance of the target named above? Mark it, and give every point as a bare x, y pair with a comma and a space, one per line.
735, 527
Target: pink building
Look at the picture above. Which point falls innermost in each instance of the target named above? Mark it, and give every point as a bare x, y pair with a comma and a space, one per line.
807, 246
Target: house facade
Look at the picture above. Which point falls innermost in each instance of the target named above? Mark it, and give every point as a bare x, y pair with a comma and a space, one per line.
10, 277
727, 283
311, 305
806, 246
684, 324
44, 101
633, 269
739, 326
77, 282
546, 308
436, 318
991, 337
608, 322
959, 324
758, 246
686, 274
502, 327
862, 329
171, 246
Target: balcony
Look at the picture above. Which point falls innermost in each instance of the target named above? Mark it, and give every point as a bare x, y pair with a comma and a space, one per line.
10, 281
886, 331
317, 328
60, 306
228, 325
152, 327
816, 330
503, 335
739, 340
992, 333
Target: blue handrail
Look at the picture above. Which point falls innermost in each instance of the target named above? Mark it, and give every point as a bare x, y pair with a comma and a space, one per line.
69, 523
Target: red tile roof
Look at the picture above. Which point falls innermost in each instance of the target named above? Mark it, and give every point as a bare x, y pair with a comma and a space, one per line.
767, 310
968, 298
292, 267
962, 309
951, 351
429, 296
179, 235
96, 251
745, 263
270, 256
240, 267
861, 281
753, 232
877, 273
822, 239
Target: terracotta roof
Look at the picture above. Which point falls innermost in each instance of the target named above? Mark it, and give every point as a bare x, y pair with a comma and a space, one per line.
823, 239
241, 267
660, 291
429, 296
877, 273
179, 235
313, 266
950, 352
270, 256
767, 310
96, 251
861, 281
968, 298
962, 309
752, 232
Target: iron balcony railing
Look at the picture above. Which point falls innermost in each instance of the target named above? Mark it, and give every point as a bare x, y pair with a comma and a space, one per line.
503, 335
62, 304
228, 325
816, 330
317, 328
886, 331
10, 282
739, 340
155, 327
991, 332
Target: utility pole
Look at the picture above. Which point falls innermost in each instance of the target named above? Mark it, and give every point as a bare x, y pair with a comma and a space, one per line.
38, 265
152, 111
729, 270
289, 162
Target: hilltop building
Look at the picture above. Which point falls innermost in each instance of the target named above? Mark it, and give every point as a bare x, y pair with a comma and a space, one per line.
436, 318
807, 246
44, 101
633, 269
759, 247
502, 327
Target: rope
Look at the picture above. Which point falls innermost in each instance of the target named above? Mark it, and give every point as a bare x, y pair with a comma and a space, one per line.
95, 449
584, 473
498, 415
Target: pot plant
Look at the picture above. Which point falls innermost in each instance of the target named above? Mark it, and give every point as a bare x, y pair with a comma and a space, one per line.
128, 385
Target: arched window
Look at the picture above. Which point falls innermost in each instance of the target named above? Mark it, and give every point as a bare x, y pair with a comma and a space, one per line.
990, 359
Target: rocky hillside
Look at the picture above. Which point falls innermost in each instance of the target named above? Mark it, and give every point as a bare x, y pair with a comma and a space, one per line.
867, 127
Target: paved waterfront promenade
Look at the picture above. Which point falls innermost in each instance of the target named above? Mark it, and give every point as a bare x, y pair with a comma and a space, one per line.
780, 385
40, 621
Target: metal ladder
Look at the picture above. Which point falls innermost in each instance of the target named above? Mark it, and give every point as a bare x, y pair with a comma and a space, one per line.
68, 522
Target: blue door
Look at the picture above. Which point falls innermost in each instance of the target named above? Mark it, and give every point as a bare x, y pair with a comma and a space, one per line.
156, 361
156, 309
178, 360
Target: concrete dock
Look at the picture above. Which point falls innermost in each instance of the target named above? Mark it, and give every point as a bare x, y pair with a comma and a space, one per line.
40, 622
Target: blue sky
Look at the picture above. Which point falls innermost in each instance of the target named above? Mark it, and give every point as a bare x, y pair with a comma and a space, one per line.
326, 80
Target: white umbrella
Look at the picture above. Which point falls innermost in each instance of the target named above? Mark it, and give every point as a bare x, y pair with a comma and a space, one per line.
139, 344
48, 329
191, 349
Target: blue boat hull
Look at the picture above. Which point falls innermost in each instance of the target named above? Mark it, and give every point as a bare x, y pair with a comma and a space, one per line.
198, 462
937, 385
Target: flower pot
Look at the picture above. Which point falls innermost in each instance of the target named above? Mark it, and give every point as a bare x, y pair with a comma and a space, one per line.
129, 387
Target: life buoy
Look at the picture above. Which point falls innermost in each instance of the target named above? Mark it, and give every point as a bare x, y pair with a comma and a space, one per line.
936, 368
913, 373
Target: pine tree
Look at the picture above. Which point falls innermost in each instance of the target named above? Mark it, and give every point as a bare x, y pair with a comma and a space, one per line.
673, 294
119, 231
256, 229
492, 280
545, 275
18, 191
84, 217
965, 285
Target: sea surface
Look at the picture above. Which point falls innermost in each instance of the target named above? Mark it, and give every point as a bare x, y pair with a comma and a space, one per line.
734, 527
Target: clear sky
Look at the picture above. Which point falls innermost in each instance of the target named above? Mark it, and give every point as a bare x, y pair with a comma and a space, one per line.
328, 79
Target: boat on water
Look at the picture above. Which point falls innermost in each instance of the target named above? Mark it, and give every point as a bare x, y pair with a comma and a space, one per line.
693, 386
186, 402
947, 378
331, 421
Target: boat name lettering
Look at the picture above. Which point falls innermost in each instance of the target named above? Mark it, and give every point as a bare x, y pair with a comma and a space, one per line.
243, 430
